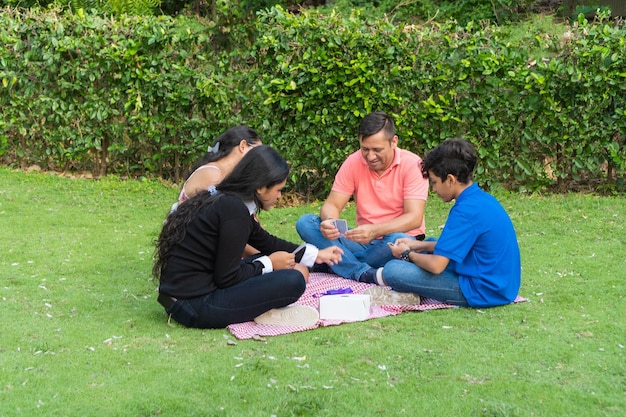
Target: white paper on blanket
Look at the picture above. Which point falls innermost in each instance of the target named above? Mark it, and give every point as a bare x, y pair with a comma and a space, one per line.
345, 307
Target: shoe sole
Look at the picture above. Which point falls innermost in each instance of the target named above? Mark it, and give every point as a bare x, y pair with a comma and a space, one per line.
294, 316
380, 296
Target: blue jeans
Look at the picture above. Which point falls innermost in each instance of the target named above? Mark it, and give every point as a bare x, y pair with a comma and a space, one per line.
357, 258
405, 276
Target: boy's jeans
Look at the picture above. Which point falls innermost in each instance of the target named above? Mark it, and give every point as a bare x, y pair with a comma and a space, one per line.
405, 276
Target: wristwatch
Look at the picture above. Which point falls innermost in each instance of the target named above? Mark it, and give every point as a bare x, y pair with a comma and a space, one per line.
405, 255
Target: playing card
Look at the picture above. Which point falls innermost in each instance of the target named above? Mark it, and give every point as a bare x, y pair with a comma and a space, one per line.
342, 226
299, 248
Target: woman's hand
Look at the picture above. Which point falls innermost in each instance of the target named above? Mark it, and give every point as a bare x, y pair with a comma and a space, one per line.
283, 260
330, 255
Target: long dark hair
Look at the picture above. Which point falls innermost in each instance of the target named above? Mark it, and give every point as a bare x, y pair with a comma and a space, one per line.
261, 167
225, 143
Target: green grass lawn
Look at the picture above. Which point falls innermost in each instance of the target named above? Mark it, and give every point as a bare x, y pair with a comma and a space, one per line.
83, 335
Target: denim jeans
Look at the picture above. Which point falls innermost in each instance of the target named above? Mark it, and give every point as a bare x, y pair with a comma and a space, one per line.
241, 302
357, 258
405, 276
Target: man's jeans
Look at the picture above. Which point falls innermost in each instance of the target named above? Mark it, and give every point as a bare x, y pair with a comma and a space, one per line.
357, 258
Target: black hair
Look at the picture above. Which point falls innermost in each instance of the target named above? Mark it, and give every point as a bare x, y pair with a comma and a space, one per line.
454, 156
374, 123
261, 167
227, 142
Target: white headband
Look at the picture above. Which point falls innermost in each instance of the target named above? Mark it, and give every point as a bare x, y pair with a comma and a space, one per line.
215, 148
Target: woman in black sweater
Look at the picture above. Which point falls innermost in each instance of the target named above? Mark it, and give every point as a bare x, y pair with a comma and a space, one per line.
203, 281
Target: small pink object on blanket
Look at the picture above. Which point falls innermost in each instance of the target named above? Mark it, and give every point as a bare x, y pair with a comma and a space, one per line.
320, 284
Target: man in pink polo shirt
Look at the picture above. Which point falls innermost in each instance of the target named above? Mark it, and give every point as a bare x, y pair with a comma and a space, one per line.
390, 195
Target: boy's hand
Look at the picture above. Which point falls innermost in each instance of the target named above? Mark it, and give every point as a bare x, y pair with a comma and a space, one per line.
398, 248
406, 241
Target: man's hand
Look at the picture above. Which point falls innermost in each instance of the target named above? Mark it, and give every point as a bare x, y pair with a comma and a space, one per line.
363, 234
328, 229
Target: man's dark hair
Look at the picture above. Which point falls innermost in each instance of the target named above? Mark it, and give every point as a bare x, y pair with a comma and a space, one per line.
374, 123
454, 156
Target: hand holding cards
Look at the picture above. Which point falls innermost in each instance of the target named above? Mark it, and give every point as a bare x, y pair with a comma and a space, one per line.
342, 226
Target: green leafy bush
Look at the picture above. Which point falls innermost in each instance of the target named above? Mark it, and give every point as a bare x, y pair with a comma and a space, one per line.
115, 7
144, 96
109, 95
534, 123
462, 11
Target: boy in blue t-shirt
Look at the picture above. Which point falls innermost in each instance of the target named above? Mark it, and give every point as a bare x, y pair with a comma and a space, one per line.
476, 260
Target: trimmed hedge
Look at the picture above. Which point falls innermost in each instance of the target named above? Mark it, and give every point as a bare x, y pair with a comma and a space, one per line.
553, 122
145, 96
132, 96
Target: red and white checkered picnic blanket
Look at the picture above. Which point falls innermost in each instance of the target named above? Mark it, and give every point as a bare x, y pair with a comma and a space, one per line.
320, 283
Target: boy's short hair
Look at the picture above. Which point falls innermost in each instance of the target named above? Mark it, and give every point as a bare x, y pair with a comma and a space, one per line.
452, 157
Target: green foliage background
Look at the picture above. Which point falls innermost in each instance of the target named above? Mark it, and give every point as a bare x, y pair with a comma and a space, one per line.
111, 7
143, 96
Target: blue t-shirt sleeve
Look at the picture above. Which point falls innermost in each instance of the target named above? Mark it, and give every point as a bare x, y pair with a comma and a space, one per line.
457, 238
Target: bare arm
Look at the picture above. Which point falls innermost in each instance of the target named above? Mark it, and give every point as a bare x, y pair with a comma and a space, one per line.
404, 243
427, 261
333, 205
412, 218
332, 210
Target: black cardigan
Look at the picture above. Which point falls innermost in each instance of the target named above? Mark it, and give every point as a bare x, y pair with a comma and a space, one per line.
209, 257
